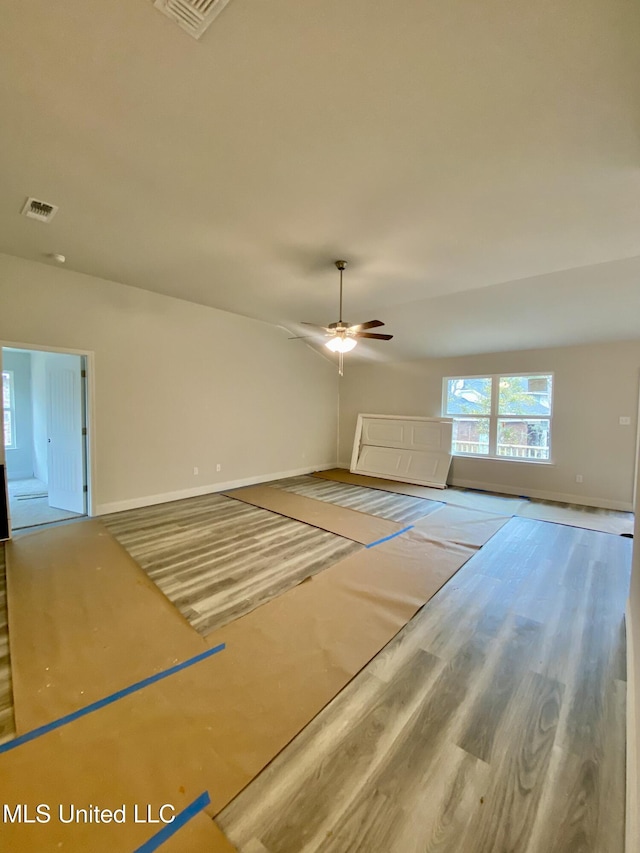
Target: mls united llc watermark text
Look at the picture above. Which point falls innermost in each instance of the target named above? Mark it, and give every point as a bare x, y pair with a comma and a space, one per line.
70, 813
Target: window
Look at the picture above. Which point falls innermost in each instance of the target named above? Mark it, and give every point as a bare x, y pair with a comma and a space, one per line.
8, 409
501, 417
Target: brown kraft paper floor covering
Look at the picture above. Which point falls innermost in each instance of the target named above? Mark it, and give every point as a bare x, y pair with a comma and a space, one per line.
84, 622
215, 725
586, 517
350, 523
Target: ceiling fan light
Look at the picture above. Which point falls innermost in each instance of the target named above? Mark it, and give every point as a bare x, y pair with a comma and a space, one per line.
334, 344
341, 344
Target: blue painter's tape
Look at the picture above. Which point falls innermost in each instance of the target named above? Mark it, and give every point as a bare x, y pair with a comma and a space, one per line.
386, 538
177, 823
108, 700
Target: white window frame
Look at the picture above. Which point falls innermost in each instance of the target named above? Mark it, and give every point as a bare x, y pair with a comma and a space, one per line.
494, 416
10, 408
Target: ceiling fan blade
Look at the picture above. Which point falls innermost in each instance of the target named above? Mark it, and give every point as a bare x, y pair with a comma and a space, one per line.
299, 337
360, 327
315, 326
373, 335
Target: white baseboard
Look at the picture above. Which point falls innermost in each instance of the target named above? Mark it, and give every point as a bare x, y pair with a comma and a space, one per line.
632, 828
197, 491
600, 503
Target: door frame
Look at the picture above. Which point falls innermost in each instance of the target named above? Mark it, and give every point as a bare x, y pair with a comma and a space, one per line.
89, 398
636, 460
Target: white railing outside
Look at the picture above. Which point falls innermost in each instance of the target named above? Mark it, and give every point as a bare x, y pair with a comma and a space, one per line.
478, 447
517, 451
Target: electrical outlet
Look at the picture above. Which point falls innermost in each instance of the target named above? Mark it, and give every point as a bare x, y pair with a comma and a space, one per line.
625, 421
578, 478
218, 467
195, 472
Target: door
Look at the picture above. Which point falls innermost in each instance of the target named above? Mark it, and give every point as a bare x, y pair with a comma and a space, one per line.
65, 423
414, 450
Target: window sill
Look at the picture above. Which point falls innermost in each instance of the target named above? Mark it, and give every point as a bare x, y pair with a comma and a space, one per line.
549, 463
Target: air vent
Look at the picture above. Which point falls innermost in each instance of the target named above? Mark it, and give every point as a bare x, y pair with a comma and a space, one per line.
40, 210
194, 16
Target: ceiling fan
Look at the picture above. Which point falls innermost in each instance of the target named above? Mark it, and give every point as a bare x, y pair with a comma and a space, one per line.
342, 335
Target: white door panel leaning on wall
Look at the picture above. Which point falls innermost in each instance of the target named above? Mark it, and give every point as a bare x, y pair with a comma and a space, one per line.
413, 449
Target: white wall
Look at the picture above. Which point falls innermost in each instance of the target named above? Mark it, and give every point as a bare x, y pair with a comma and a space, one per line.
20, 458
594, 386
177, 385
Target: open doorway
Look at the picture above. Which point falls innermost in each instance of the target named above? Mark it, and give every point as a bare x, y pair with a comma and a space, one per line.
45, 435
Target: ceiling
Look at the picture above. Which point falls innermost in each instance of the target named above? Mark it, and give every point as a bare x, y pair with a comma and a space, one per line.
476, 162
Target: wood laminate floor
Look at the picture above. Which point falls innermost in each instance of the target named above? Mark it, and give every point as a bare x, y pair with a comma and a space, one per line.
7, 727
401, 508
576, 515
216, 558
493, 723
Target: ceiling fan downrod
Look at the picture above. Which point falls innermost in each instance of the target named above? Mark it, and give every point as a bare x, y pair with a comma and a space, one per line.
341, 265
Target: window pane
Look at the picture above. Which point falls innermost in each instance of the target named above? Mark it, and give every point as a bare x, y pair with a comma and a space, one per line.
471, 435
7, 429
524, 395
469, 396
6, 390
523, 439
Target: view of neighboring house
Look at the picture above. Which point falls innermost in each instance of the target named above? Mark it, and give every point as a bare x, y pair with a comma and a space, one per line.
501, 415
